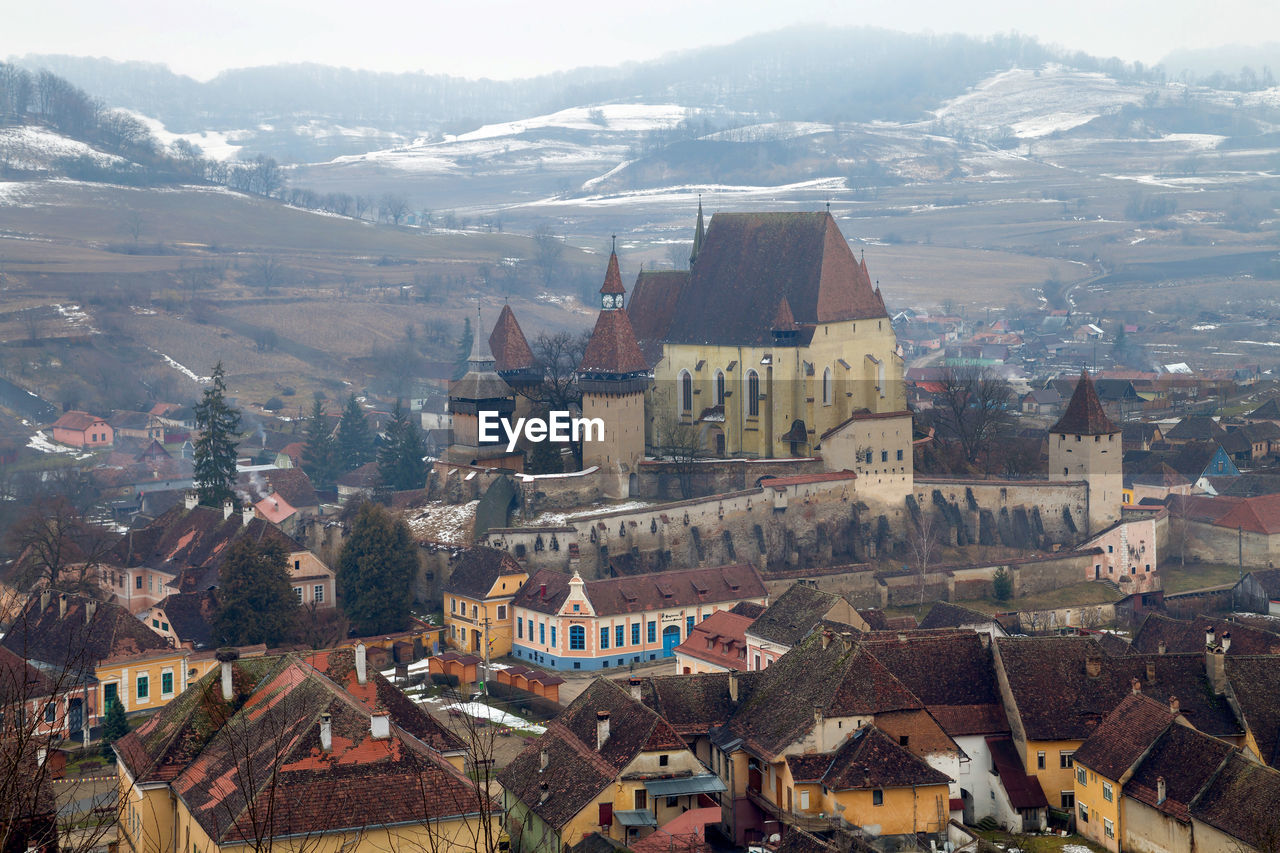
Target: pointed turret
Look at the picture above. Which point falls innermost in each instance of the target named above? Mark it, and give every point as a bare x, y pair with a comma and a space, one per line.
612, 291
785, 330
699, 234
613, 351
1084, 414
480, 390
508, 344
1084, 446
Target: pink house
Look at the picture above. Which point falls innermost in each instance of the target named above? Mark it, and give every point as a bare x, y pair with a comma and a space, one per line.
81, 429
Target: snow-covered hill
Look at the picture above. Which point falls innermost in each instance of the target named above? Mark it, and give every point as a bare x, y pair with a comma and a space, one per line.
28, 148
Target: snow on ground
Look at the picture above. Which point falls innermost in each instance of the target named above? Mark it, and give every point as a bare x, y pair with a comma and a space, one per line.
184, 370
618, 118
35, 148
559, 519
44, 444
216, 144
481, 711
688, 194
449, 524
12, 192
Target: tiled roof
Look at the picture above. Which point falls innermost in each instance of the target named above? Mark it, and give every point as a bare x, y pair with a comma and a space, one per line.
1124, 736
719, 639
792, 615
1186, 759
612, 596
652, 307
199, 741
612, 277
869, 759
1269, 410
1057, 698
1243, 801
749, 260
780, 483
75, 640
696, 704
1256, 515
21, 682
292, 484
478, 569
944, 614
191, 616
195, 538
1188, 635
507, 342
613, 348
1024, 791
1084, 414
1269, 580
577, 772
749, 609
1196, 428
77, 421
1255, 683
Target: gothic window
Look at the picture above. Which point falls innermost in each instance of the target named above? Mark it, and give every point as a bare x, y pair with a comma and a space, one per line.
826, 387
686, 393
753, 394
719, 387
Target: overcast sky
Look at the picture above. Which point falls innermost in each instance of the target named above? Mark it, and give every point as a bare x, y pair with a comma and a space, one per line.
514, 38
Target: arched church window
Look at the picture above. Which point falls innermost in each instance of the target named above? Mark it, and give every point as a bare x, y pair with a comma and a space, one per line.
753, 394
719, 387
826, 387
686, 393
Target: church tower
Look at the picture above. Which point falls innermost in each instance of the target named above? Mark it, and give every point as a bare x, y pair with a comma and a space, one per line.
479, 392
514, 361
1085, 445
613, 377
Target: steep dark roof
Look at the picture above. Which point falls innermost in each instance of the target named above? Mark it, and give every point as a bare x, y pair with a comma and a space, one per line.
1024, 791
653, 305
507, 343
944, 614
1243, 801
792, 615
1188, 636
1084, 414
1186, 759
1124, 736
576, 771
638, 593
478, 569
748, 608
1269, 580
1196, 428
749, 260
1255, 683
695, 704
20, 682
191, 616
869, 759
89, 633
1270, 410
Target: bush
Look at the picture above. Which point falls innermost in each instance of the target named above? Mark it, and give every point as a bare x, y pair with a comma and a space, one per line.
275, 404
1002, 584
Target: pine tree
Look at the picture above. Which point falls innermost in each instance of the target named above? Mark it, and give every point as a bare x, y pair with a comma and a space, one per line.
401, 464
320, 454
355, 441
545, 458
114, 727
376, 570
215, 449
464, 350
256, 602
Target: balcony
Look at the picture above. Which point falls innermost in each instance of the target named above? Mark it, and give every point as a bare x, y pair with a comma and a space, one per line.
809, 823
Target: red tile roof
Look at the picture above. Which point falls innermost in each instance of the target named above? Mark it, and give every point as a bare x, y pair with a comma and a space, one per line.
780, 483
1023, 790
612, 278
638, 593
77, 420
1256, 515
1125, 736
507, 343
720, 639
783, 319
1084, 414
613, 347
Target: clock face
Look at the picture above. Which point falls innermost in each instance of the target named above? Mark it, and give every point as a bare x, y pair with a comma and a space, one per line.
610, 301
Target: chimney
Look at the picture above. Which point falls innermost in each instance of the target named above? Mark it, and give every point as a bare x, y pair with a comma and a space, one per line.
380, 725
227, 508
826, 638
246, 514
189, 500
62, 606
1135, 685
90, 608
1161, 648
45, 597
1215, 661
634, 683
733, 686
1161, 790
1226, 642
225, 656
542, 760
1151, 672
846, 640
1175, 707
1208, 637
1093, 663
542, 590
602, 729
326, 732
543, 792
362, 664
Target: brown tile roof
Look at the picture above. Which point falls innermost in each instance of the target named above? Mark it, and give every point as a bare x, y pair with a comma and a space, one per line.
748, 608
613, 348
652, 307
783, 319
943, 614
1255, 684
1243, 801
202, 746
780, 483
870, 759
478, 569
1196, 428
292, 484
719, 639
507, 342
1125, 736
635, 594
695, 704
750, 259
1188, 636
1187, 760
1084, 414
191, 615
1269, 580
793, 615
81, 639
21, 682
612, 277
1057, 699
77, 421
1024, 791
1255, 515
577, 772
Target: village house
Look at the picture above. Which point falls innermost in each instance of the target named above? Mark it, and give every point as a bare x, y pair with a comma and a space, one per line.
478, 598
716, 644
606, 764
83, 430
58, 704
140, 426
565, 622
793, 616
944, 614
319, 748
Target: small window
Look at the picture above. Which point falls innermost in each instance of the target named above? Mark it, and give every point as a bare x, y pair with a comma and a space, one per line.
719, 388
753, 394
663, 760
519, 627
884, 456
1068, 799
553, 637
899, 455
297, 591
1065, 759
502, 612
1107, 792
604, 637
143, 687
137, 582
877, 797
317, 593
635, 633
653, 632
1108, 828
453, 605
1082, 777
642, 799
903, 740
1040, 760
577, 638
686, 393
577, 608
826, 387
804, 801
1084, 812
166, 684
619, 637
50, 712
475, 612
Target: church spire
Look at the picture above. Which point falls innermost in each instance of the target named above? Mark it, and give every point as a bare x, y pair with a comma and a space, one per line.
612, 291
481, 355
698, 235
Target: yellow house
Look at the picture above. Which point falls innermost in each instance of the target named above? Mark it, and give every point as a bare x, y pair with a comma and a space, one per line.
607, 764
144, 681
773, 337
477, 601
315, 753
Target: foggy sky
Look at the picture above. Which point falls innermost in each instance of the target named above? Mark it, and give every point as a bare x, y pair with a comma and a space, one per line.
516, 38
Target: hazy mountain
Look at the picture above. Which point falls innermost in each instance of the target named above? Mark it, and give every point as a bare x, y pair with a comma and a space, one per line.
1225, 61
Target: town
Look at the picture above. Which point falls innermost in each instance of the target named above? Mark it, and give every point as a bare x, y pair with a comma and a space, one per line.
823, 577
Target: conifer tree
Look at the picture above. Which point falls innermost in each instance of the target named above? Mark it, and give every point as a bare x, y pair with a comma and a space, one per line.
114, 727
215, 449
401, 464
464, 350
256, 602
320, 454
376, 570
355, 441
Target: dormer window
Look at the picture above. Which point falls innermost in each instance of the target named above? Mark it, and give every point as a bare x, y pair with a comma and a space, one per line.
577, 608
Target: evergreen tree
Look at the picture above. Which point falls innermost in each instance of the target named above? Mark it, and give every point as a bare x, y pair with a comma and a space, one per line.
355, 441
320, 454
401, 464
215, 449
256, 602
464, 350
544, 457
376, 570
114, 727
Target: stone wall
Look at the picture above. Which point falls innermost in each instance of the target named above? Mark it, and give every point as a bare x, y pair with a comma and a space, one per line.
1015, 513
661, 480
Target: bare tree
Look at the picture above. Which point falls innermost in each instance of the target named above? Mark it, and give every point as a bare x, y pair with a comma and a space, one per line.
975, 410
683, 445
33, 323
362, 204
924, 536
134, 224
57, 547
548, 250
267, 272
557, 356
394, 207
